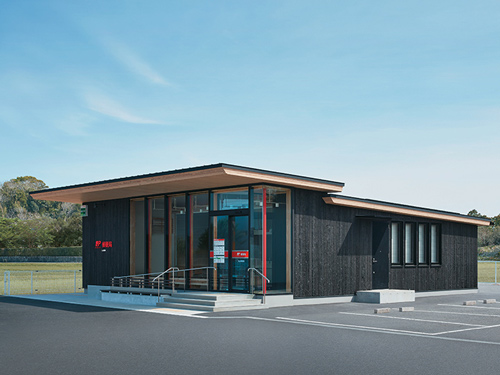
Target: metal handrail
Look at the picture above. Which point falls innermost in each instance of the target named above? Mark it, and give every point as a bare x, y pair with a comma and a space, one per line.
175, 269
163, 273
251, 282
129, 278
141, 274
171, 269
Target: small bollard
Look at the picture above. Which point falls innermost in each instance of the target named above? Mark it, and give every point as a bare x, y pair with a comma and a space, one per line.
382, 310
406, 309
490, 301
469, 303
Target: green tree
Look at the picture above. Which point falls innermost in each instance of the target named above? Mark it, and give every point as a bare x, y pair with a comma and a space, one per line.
496, 220
9, 233
15, 200
66, 231
35, 232
475, 213
29, 223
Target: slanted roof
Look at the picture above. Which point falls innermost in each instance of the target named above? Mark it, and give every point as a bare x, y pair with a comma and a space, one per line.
206, 177
401, 209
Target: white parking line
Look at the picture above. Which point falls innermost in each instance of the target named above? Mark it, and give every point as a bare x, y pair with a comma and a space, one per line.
378, 330
467, 329
468, 307
457, 313
414, 319
351, 326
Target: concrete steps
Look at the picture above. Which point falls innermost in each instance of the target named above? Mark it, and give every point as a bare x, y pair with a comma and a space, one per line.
210, 301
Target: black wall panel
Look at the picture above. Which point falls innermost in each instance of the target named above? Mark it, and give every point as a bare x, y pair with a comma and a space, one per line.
458, 268
106, 221
332, 251
332, 248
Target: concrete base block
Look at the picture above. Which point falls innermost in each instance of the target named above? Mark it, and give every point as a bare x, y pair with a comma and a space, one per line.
133, 299
469, 303
94, 291
384, 310
384, 296
406, 309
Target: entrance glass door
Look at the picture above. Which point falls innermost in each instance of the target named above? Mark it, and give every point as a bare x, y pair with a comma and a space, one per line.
230, 253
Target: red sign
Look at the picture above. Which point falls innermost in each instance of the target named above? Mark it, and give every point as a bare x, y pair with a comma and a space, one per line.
103, 244
240, 253
235, 254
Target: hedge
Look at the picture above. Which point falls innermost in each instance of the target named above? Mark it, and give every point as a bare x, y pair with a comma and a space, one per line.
47, 251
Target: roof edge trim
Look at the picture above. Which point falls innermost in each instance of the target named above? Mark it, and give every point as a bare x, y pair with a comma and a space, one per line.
401, 209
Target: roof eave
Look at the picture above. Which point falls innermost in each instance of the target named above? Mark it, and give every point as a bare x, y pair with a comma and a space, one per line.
404, 210
208, 177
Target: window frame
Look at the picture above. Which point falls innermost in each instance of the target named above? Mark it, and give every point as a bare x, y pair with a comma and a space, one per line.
409, 242
439, 241
425, 243
399, 242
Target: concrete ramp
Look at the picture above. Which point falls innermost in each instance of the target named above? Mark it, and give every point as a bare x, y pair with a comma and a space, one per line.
384, 296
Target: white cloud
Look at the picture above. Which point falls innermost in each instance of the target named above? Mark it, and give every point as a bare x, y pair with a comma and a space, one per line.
109, 107
75, 124
134, 63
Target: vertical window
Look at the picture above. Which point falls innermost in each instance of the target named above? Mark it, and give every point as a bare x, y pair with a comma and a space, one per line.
435, 243
137, 237
256, 235
395, 243
271, 240
198, 239
422, 243
177, 231
409, 243
278, 236
156, 234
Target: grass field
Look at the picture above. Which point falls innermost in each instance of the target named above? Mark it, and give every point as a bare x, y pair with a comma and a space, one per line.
486, 272
46, 278
60, 277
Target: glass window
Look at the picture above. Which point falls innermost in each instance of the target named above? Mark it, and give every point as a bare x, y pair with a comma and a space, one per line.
219, 251
256, 236
395, 243
422, 243
409, 241
156, 234
198, 239
230, 200
435, 243
137, 237
278, 239
177, 231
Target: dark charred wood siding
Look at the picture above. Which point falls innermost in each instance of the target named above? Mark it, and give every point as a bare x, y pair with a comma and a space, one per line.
106, 221
332, 251
332, 248
458, 266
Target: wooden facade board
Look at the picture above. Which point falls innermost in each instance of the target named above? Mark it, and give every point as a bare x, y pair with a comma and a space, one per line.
106, 221
332, 254
333, 251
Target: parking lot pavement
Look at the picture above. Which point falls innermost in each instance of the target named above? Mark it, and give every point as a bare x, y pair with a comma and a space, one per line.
463, 317
440, 336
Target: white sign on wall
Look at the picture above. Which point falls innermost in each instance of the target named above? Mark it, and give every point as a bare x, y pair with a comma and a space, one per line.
219, 250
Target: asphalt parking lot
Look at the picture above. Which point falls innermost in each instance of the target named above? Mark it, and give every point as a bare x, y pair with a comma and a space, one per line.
444, 317
441, 335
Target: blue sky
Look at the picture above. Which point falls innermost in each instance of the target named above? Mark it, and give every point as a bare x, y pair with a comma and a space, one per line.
398, 99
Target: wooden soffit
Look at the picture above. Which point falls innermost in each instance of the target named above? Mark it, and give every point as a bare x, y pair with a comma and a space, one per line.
405, 210
210, 177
